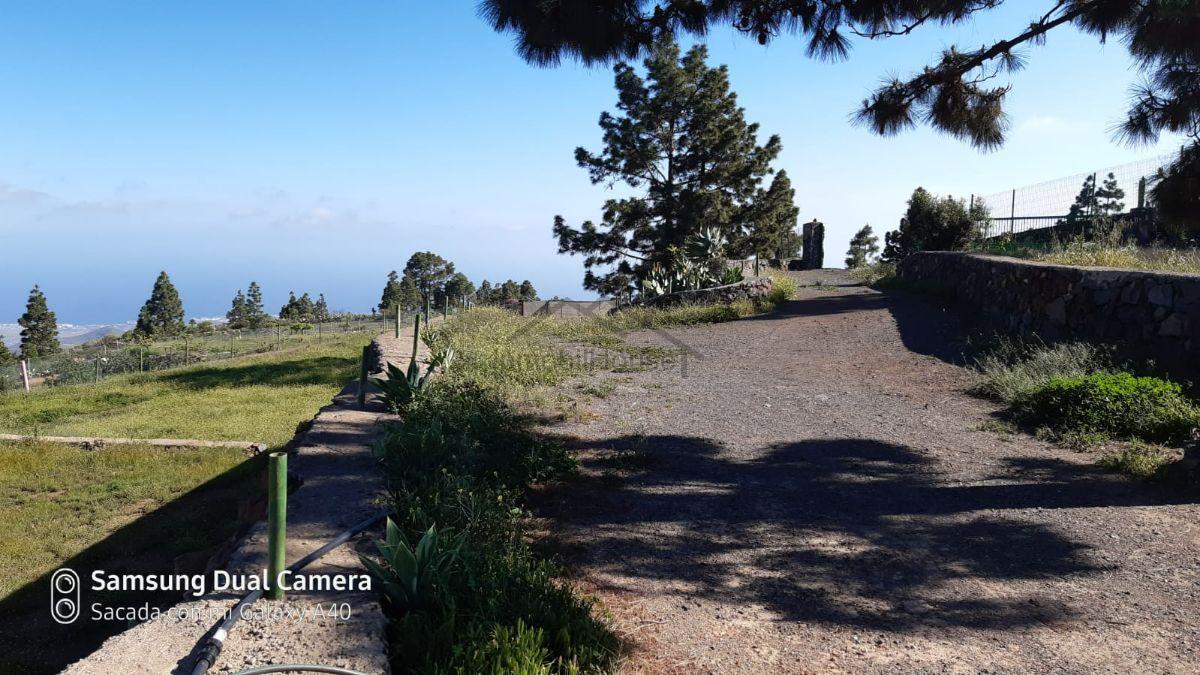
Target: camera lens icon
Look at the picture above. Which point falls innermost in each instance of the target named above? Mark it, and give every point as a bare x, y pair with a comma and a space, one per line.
64, 596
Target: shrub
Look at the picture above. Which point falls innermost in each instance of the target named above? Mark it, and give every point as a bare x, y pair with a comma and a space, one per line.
783, 287
1119, 404
875, 274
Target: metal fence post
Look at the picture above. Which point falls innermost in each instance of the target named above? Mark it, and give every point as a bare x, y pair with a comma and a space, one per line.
362, 376
25, 374
187, 350
276, 522
416, 335
398, 322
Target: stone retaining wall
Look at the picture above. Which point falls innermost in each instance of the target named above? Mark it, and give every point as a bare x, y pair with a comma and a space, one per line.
1148, 314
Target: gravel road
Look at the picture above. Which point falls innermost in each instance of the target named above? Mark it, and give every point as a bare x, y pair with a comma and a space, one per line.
816, 495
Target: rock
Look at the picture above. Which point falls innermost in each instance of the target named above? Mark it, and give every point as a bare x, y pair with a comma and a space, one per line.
1162, 294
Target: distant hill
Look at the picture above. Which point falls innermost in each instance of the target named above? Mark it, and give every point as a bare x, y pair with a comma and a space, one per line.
68, 334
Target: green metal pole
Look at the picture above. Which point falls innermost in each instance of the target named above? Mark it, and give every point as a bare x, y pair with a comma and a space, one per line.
97, 370
398, 322
416, 335
426, 308
276, 522
187, 350
362, 376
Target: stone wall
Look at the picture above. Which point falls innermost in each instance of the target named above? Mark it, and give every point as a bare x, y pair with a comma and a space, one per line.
1148, 314
756, 287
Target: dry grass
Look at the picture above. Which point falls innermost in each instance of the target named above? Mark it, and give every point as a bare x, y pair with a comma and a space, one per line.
1155, 259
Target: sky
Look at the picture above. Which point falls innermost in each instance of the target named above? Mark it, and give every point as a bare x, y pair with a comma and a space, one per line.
313, 146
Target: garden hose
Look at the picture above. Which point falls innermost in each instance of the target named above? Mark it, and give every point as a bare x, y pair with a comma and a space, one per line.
298, 668
212, 647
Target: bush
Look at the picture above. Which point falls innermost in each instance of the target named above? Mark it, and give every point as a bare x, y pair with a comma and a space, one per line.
1119, 404
875, 274
1139, 460
783, 287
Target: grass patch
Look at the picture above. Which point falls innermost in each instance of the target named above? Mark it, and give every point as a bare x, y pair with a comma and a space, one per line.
1140, 460
1153, 259
1012, 369
124, 509
256, 398
878, 274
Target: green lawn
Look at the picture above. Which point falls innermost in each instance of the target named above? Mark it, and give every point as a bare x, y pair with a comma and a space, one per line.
138, 508
256, 398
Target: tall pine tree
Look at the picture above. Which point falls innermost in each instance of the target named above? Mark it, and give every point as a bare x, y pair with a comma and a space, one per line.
771, 231
682, 143
236, 316
428, 272
39, 327
256, 316
863, 247
163, 312
321, 309
1109, 196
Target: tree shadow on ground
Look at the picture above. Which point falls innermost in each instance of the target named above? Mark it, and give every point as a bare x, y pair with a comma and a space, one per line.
852, 532
332, 370
176, 537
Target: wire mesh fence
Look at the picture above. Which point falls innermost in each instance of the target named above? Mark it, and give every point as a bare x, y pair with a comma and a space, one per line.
94, 361
1045, 210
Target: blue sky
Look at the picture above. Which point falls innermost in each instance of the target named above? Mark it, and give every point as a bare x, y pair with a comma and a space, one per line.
312, 146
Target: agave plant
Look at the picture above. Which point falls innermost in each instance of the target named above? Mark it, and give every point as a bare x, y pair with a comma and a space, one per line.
402, 387
414, 578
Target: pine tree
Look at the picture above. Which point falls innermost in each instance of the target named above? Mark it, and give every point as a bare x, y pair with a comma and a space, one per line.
681, 141
321, 310
428, 272
1109, 196
163, 312
236, 316
863, 246
39, 327
410, 295
527, 291
510, 290
772, 229
290, 310
305, 308
1083, 208
484, 294
459, 287
6, 356
255, 316
391, 294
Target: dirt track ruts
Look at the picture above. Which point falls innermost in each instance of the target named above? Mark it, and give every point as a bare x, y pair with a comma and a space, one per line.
816, 495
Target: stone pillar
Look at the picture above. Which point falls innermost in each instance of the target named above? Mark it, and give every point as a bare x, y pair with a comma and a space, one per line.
814, 245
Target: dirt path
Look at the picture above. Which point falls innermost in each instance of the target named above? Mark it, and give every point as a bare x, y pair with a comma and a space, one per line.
816, 495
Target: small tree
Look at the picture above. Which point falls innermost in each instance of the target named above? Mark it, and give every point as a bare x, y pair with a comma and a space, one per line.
863, 246
484, 294
291, 309
7, 358
459, 287
1109, 196
510, 290
321, 309
391, 293
305, 308
933, 224
772, 223
255, 316
163, 312
236, 316
526, 291
39, 327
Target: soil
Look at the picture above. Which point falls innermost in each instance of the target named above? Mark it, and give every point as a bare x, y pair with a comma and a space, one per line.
814, 491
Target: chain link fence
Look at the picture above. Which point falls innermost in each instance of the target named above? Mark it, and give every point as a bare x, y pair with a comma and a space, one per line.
1044, 210
93, 361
